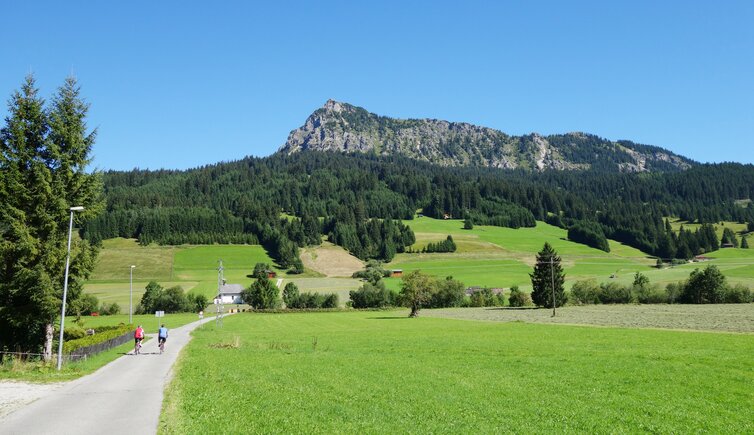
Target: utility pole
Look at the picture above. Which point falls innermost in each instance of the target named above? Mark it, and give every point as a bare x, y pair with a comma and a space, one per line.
220, 283
552, 277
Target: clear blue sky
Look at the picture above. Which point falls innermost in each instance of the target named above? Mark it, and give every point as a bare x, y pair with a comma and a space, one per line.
182, 84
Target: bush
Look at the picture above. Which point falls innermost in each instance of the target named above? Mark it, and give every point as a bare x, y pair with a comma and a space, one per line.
290, 294
73, 332
330, 301
450, 293
260, 270
372, 296
673, 291
586, 292
85, 305
109, 309
484, 298
614, 293
262, 295
739, 294
197, 302
651, 295
373, 272
704, 287
518, 298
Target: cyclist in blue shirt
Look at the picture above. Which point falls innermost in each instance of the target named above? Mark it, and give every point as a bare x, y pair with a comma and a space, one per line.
162, 335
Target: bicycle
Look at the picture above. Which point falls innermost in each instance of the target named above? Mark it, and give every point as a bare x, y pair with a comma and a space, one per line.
137, 347
162, 346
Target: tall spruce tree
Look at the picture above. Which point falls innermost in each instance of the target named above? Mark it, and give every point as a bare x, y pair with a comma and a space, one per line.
546, 271
43, 158
744, 243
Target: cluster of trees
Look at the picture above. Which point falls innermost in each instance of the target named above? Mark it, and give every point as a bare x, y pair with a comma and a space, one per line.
589, 233
447, 245
87, 304
44, 154
295, 300
707, 286
170, 300
372, 238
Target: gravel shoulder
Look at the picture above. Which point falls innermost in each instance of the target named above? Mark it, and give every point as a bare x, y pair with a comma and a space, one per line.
16, 394
719, 318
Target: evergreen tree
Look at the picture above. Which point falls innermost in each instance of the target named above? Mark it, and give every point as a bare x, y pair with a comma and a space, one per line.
290, 295
547, 271
43, 158
744, 243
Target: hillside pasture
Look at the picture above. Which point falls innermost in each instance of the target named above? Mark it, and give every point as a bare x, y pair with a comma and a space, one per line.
381, 372
738, 228
193, 268
500, 257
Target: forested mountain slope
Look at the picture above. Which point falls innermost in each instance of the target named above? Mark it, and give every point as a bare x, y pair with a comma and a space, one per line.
338, 195
345, 128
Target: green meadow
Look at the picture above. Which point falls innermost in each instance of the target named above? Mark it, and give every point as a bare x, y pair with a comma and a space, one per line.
381, 372
502, 257
194, 268
486, 256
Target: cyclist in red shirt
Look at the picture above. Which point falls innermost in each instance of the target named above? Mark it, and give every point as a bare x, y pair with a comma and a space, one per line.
138, 335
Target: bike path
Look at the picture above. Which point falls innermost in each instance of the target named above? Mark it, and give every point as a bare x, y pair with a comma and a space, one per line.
123, 397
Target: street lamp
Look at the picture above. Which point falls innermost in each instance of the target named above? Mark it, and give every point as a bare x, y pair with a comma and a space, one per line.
65, 287
131, 303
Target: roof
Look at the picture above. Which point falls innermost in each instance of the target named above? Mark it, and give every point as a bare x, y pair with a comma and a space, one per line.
231, 289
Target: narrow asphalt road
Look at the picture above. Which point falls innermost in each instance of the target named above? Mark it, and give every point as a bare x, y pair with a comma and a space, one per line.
123, 397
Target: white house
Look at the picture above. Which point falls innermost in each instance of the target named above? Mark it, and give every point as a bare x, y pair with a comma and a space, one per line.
230, 294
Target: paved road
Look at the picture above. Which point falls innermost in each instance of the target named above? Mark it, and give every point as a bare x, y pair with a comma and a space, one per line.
124, 397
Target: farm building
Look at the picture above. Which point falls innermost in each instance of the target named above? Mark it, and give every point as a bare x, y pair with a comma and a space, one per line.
230, 294
396, 273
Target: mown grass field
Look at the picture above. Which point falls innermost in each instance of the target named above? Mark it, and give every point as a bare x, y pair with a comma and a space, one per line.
380, 372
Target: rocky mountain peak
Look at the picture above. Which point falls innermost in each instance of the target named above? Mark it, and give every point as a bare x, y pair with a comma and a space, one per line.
342, 127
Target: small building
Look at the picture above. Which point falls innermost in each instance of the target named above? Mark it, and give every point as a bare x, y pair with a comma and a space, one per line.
699, 258
230, 294
396, 273
727, 245
271, 274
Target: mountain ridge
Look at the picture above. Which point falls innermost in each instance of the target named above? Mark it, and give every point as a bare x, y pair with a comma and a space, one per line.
342, 127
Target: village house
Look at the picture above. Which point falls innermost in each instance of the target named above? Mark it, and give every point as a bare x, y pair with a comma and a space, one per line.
230, 294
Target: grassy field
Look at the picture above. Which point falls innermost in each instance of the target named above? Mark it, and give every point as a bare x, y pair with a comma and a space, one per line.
380, 372
194, 268
486, 256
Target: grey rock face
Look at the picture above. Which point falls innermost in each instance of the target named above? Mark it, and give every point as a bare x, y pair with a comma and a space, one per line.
342, 127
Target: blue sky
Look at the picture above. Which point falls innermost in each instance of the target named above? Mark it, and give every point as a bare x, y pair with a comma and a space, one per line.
182, 84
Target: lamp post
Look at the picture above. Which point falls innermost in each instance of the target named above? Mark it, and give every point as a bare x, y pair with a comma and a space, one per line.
65, 287
131, 297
